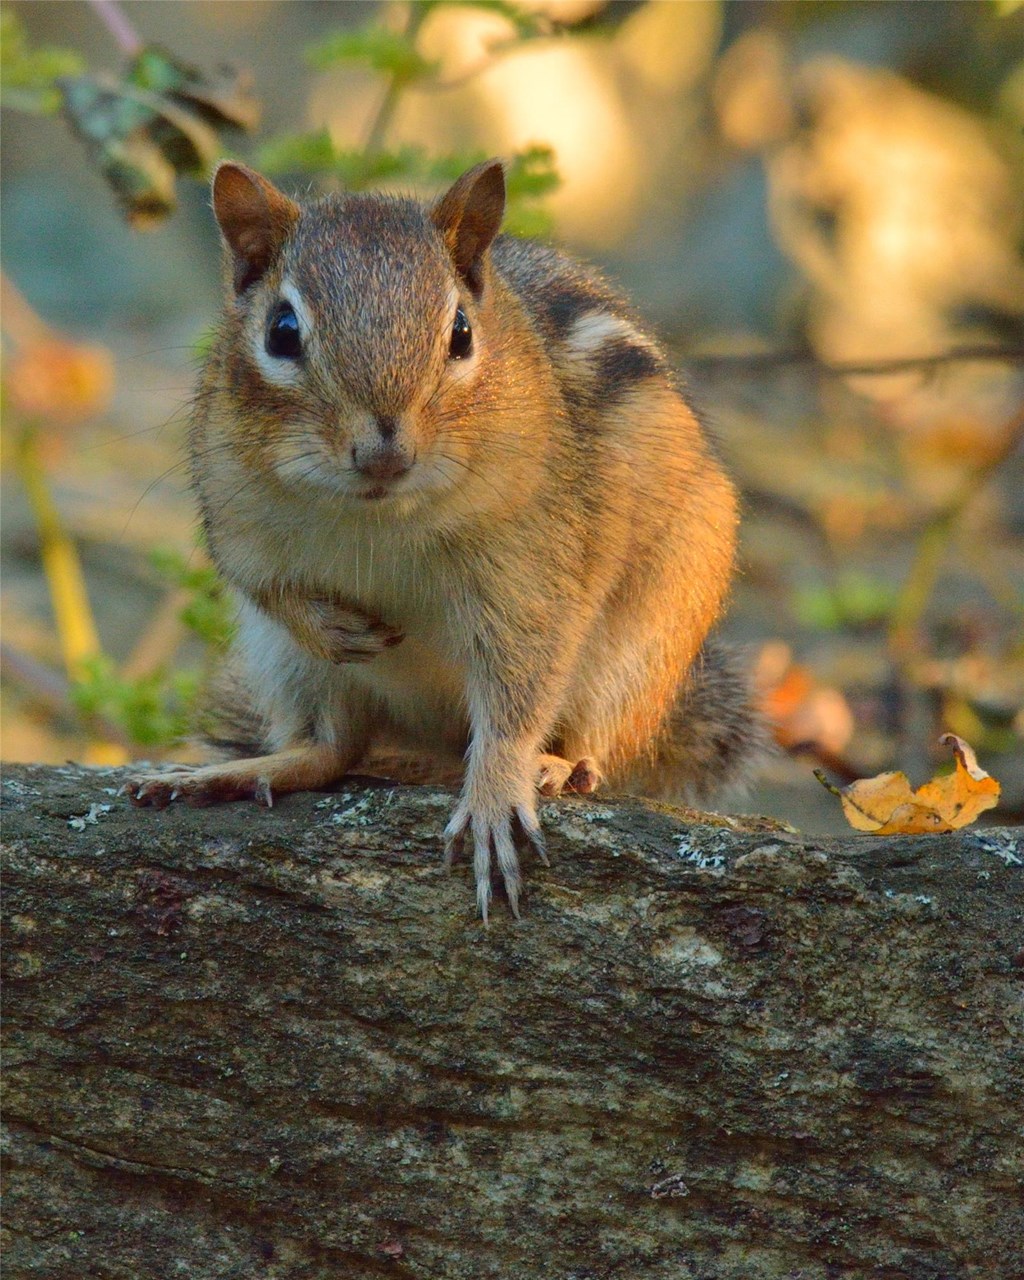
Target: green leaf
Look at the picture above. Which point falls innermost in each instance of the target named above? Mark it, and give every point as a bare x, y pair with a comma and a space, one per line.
530, 176
383, 50
444, 169
114, 127
357, 170
532, 173
225, 99
154, 710
528, 223
855, 600
316, 154
159, 121
28, 76
209, 612
297, 153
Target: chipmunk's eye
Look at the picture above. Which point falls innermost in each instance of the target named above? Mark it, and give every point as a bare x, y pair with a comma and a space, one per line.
462, 337
283, 337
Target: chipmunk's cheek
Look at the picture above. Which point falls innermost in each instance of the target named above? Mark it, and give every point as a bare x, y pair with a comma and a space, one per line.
305, 459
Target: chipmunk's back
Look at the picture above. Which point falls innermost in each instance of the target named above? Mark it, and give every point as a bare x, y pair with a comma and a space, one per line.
593, 334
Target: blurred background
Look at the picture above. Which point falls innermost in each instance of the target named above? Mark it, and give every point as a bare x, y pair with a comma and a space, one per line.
819, 205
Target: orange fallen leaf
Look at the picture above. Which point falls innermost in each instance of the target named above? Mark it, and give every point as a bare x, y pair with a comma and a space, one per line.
802, 711
59, 380
885, 805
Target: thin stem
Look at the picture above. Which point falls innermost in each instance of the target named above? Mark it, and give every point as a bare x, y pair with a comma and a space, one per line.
934, 542
160, 640
54, 692
113, 18
381, 122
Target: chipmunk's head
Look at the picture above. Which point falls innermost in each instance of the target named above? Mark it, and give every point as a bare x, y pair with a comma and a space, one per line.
361, 340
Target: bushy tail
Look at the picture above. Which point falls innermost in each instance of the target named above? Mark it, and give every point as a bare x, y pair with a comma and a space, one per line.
228, 724
716, 737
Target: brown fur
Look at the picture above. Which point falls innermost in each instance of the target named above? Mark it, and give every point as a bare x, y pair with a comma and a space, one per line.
535, 587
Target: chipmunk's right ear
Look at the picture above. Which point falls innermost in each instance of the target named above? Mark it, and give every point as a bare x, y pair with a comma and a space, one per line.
254, 218
469, 216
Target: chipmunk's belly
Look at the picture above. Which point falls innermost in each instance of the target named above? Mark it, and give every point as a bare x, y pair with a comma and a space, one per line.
421, 692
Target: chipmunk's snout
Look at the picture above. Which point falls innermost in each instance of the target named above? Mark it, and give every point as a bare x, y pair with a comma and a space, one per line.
383, 453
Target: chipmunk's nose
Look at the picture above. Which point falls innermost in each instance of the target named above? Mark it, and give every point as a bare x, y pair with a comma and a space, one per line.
383, 459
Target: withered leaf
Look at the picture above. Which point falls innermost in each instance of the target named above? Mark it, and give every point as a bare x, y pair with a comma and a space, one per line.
159, 121
225, 98
886, 805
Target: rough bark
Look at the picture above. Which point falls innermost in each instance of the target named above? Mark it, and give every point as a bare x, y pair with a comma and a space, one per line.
248, 1043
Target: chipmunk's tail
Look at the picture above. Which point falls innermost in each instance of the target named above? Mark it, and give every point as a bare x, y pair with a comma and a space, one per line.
229, 726
716, 737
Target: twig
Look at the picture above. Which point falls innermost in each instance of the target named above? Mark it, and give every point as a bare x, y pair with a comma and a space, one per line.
161, 639
54, 691
933, 543
755, 361
113, 18
495, 53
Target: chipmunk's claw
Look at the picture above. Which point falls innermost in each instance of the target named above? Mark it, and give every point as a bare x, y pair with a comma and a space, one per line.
494, 842
585, 778
530, 828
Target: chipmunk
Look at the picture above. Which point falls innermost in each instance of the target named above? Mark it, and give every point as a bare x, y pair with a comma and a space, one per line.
467, 509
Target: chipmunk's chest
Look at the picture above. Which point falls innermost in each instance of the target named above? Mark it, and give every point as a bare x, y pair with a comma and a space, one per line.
380, 570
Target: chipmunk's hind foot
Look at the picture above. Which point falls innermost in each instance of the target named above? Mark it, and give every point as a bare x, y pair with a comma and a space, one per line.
303, 768
555, 775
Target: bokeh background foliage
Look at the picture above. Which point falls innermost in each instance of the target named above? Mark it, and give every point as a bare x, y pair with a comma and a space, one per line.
819, 205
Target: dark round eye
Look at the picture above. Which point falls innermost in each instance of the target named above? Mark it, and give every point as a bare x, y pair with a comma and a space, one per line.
283, 337
462, 337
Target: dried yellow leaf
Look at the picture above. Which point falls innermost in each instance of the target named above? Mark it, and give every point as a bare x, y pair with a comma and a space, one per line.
886, 805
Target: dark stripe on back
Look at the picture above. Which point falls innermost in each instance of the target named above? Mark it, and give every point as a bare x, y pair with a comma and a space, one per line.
561, 303
619, 365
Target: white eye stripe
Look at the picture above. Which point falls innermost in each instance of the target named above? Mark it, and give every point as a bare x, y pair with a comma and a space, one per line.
282, 373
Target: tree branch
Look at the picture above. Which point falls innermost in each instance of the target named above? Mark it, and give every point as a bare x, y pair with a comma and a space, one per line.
250, 1042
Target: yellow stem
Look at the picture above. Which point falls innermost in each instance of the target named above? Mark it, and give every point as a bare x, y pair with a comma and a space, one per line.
76, 629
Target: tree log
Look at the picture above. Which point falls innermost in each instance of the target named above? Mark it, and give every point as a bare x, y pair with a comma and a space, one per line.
247, 1042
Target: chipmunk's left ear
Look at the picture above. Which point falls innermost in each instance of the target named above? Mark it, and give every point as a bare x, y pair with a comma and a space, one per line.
469, 215
254, 218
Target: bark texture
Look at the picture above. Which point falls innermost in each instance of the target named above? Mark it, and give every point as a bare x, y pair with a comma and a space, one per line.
247, 1043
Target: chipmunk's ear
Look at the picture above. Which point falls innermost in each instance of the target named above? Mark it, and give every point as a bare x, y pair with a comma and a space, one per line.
254, 218
468, 216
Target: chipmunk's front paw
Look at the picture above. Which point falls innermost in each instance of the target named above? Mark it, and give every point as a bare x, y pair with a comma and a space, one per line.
344, 634
493, 828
